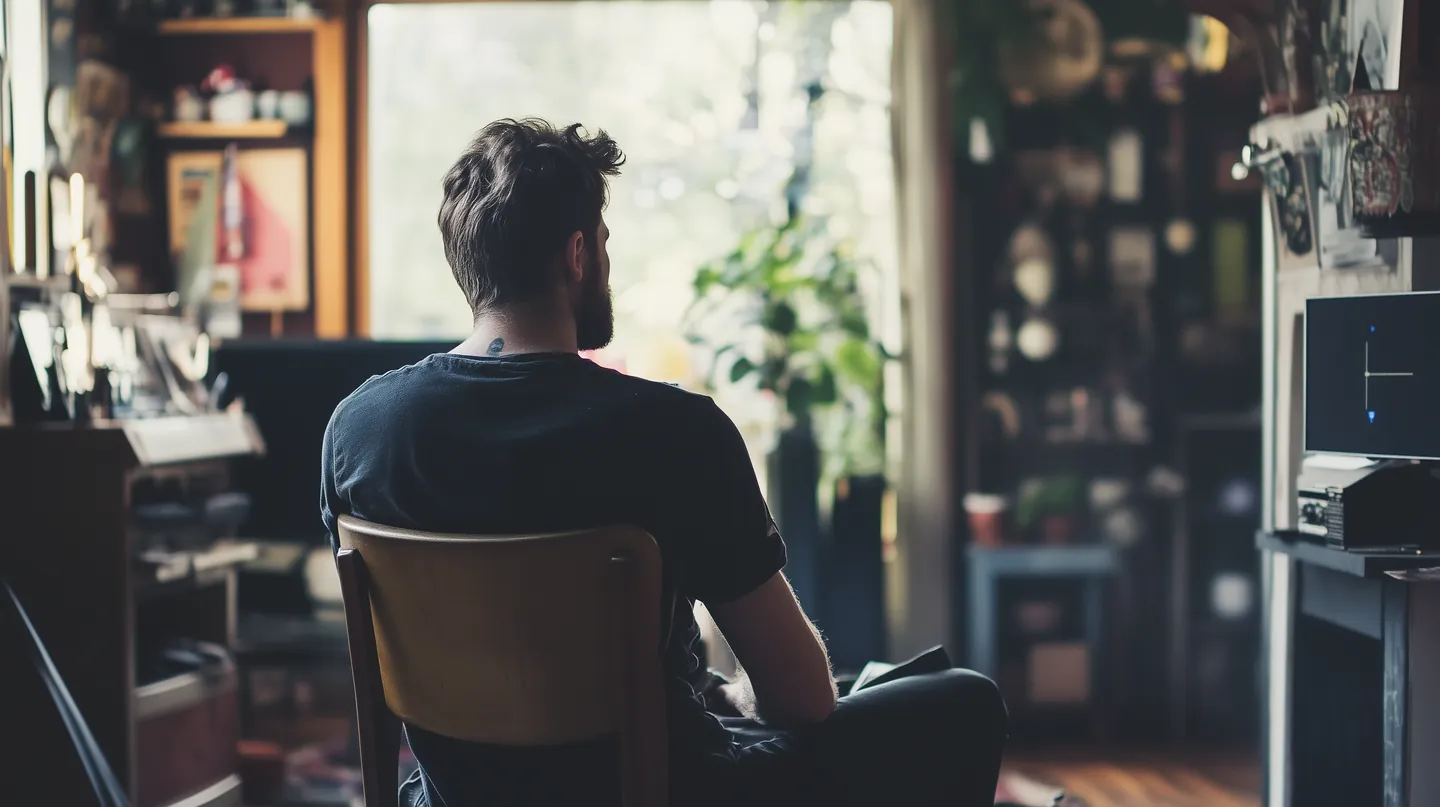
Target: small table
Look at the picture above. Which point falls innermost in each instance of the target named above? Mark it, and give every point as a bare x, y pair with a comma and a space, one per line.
291, 643
1093, 563
1352, 657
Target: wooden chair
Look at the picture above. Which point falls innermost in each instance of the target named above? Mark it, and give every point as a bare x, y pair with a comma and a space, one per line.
515, 640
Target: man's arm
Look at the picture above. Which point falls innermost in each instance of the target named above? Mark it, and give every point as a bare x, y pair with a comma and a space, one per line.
787, 678
733, 557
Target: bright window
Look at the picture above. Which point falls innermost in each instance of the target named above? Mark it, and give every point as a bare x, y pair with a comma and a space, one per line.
709, 100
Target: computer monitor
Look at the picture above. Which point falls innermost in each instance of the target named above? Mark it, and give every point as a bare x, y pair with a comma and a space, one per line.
290, 388
1372, 375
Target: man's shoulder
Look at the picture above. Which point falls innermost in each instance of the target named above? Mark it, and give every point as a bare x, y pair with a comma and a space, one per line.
669, 398
380, 395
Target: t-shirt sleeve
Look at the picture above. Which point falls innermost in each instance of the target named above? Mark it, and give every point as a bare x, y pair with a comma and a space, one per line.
329, 498
727, 537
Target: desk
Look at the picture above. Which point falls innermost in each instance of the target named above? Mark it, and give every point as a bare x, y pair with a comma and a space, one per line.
1352, 659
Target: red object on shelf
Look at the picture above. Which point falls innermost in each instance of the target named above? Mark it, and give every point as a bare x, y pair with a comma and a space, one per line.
222, 78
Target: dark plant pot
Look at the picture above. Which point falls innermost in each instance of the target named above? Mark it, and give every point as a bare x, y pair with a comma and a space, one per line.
794, 476
853, 608
1057, 529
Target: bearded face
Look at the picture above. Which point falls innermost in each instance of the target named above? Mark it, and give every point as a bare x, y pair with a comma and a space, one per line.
595, 313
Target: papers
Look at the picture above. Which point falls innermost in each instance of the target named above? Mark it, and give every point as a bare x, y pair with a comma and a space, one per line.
870, 672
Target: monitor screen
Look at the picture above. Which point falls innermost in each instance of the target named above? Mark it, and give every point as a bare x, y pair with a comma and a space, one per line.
290, 388
1372, 375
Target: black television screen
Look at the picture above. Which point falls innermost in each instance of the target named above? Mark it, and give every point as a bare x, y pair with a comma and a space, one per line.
290, 388
1372, 375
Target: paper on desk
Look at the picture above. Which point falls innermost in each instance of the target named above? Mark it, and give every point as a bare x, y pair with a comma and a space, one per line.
1430, 574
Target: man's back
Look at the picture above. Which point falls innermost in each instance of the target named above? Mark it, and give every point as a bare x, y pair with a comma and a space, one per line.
551, 442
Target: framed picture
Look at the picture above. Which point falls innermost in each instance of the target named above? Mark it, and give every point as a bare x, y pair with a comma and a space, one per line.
274, 263
275, 269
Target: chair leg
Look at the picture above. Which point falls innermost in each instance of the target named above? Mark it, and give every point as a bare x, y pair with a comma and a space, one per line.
377, 727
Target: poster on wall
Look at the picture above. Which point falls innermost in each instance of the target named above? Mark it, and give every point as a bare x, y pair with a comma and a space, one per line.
261, 221
274, 197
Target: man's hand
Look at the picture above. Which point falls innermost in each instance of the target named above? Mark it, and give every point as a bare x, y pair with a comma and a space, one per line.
739, 697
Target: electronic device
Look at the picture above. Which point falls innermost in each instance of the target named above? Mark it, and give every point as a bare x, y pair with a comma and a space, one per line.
1364, 505
1372, 375
290, 388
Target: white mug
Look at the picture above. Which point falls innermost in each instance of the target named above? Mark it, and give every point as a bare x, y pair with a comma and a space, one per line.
295, 108
267, 104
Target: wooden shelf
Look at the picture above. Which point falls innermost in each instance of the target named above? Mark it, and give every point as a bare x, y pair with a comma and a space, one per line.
207, 130
208, 26
1360, 564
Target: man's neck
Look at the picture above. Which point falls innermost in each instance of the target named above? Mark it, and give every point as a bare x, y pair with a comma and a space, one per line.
506, 333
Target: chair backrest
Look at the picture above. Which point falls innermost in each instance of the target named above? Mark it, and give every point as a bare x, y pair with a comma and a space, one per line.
515, 640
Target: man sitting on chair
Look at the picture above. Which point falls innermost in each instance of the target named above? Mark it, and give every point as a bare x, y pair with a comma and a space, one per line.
514, 432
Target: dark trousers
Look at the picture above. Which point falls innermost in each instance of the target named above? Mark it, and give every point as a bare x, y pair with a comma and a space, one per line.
924, 734
920, 738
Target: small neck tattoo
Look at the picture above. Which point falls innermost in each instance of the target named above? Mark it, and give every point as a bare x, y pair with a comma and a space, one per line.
496, 347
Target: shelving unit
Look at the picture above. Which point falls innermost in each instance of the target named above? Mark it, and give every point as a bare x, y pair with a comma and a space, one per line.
1146, 295
288, 54
209, 26
209, 130
1212, 555
169, 739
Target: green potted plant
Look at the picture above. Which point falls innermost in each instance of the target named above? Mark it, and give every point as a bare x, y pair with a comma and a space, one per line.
1049, 508
783, 311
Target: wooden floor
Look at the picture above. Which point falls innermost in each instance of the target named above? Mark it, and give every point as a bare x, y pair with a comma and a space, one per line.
1136, 780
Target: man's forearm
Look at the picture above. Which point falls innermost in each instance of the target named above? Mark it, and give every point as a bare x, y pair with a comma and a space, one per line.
740, 695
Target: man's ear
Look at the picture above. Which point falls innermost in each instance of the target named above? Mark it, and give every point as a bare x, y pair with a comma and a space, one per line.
575, 257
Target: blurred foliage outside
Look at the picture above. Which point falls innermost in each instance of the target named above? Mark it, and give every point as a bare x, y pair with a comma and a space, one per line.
717, 104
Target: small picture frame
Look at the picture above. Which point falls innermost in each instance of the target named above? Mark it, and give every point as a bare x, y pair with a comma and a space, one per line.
188, 173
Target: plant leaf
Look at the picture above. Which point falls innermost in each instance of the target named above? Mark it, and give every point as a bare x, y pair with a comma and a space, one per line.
824, 391
705, 278
781, 319
741, 368
858, 362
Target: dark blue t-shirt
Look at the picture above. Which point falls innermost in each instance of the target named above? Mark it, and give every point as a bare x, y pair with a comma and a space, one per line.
548, 443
